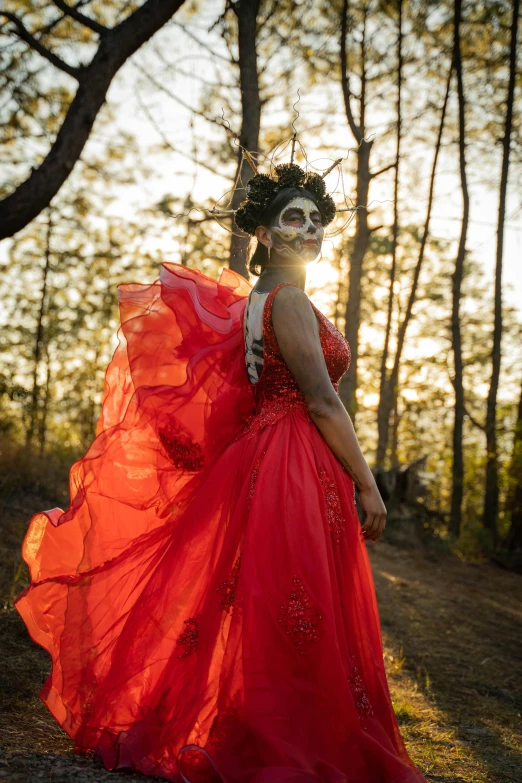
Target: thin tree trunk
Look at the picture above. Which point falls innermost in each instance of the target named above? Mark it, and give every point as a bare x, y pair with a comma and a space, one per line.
92, 403
246, 12
457, 472
514, 505
349, 382
348, 385
491, 496
383, 420
44, 413
39, 335
340, 293
389, 391
396, 420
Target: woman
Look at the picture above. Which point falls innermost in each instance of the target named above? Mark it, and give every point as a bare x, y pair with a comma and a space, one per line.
207, 598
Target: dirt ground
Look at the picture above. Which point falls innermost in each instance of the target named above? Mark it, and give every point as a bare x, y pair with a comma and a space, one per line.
452, 635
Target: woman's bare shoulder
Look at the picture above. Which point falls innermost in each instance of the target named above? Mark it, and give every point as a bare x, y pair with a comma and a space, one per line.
292, 306
289, 290
292, 296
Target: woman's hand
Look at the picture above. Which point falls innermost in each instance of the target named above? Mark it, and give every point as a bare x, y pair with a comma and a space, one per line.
375, 510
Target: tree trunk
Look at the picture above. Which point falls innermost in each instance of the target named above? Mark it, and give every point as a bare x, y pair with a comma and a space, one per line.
38, 338
491, 492
116, 46
514, 506
395, 422
457, 277
348, 384
44, 413
246, 12
389, 389
340, 293
383, 411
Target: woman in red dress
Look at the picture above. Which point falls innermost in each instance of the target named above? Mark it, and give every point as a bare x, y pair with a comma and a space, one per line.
207, 598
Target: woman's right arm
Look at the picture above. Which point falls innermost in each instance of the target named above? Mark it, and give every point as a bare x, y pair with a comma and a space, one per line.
297, 333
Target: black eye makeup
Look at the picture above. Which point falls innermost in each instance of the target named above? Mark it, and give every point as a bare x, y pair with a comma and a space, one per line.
292, 215
296, 215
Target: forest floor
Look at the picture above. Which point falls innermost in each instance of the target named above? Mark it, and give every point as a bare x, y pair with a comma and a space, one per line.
452, 635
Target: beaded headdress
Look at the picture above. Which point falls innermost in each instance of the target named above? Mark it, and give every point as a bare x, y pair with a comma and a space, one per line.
262, 189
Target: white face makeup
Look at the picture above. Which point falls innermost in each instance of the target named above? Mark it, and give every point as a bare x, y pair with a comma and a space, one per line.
297, 231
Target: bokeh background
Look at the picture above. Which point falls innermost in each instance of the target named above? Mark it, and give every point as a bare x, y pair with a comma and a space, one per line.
121, 129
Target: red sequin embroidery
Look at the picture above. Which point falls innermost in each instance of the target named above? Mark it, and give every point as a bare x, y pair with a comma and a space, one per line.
253, 479
273, 410
182, 450
229, 586
362, 702
333, 505
300, 617
189, 639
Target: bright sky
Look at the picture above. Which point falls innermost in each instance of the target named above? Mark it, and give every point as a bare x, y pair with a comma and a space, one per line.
176, 174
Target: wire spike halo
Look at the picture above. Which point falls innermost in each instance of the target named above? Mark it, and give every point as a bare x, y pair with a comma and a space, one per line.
334, 164
246, 155
294, 139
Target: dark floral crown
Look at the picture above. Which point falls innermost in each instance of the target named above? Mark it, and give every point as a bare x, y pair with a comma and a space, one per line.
262, 189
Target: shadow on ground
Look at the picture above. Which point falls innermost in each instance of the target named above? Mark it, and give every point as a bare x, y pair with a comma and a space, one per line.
452, 633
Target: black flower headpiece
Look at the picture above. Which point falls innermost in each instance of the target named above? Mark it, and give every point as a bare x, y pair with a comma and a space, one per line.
262, 189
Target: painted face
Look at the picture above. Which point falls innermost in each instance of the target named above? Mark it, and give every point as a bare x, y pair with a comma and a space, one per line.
297, 231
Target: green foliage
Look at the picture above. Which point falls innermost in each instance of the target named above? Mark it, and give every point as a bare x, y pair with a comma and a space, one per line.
474, 543
404, 712
59, 287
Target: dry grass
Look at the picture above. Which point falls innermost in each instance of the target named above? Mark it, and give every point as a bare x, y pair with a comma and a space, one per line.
452, 634
453, 640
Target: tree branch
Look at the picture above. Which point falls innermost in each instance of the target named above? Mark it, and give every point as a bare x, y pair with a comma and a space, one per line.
52, 24
162, 88
116, 46
205, 46
23, 33
473, 420
92, 24
378, 173
172, 67
268, 14
169, 144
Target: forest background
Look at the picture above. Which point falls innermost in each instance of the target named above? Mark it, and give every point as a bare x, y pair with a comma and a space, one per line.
121, 126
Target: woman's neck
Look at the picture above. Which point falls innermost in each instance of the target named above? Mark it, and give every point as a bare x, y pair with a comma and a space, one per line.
271, 276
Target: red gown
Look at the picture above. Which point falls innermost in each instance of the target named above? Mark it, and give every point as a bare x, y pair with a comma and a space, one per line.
207, 598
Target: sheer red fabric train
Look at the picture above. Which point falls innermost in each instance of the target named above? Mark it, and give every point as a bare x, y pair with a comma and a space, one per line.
207, 598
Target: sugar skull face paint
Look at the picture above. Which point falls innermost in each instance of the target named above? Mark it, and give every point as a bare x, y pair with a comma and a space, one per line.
297, 231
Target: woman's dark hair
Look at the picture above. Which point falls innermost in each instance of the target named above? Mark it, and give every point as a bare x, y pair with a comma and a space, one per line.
259, 259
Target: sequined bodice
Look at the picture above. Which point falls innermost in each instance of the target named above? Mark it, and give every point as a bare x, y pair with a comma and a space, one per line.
277, 391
